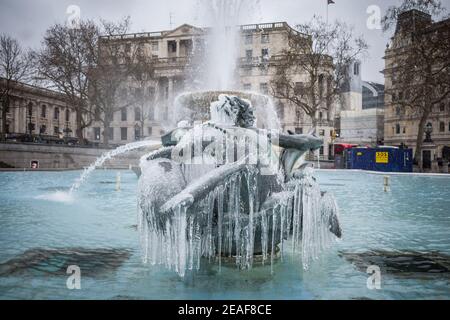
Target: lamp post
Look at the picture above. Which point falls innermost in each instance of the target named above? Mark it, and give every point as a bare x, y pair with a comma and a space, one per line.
428, 132
29, 115
137, 132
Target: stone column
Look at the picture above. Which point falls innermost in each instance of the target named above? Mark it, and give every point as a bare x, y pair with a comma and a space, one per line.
16, 117
434, 166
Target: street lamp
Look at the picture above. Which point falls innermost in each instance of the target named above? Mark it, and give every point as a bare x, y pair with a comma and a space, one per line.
428, 132
29, 115
137, 132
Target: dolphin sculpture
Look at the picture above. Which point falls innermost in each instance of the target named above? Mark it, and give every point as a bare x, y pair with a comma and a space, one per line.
234, 193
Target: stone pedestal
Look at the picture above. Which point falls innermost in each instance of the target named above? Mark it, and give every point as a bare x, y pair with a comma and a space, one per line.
445, 167
429, 163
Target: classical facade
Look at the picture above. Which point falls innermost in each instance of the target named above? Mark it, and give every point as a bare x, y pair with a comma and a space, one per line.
400, 124
260, 49
36, 110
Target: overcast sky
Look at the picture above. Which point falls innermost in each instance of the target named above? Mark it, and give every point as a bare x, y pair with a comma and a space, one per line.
27, 20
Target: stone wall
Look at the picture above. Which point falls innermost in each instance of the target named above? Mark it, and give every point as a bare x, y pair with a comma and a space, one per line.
61, 157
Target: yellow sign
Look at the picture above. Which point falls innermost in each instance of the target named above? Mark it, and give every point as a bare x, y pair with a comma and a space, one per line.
382, 157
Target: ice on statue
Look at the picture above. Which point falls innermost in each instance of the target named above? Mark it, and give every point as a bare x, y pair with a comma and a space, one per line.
205, 194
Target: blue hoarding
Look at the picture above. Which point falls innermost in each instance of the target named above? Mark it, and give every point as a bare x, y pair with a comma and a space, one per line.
380, 159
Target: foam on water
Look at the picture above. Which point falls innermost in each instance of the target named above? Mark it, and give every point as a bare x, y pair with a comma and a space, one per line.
58, 196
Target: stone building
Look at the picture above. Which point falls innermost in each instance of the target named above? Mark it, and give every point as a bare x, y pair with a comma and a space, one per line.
361, 114
36, 110
400, 124
260, 47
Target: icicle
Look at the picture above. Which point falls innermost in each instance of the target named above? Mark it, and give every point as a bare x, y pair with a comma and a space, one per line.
219, 224
264, 236
274, 232
237, 222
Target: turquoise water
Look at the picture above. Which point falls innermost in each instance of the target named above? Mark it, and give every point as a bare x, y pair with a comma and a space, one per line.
414, 215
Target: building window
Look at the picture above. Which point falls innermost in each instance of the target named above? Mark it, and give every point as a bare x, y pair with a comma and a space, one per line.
264, 88
151, 93
247, 86
137, 114
128, 48
42, 129
123, 134
111, 133
265, 54
320, 116
248, 38
155, 46
96, 115
56, 131
322, 132
441, 126
67, 115
321, 150
397, 129
150, 131
249, 55
151, 113
356, 67
442, 107
56, 114
123, 114
44, 111
172, 46
404, 130
265, 38
96, 133
298, 130
247, 71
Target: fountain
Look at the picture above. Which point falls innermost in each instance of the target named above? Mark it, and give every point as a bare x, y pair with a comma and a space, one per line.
225, 188
226, 185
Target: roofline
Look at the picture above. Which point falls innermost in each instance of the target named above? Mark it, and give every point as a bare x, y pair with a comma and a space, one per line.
37, 90
160, 34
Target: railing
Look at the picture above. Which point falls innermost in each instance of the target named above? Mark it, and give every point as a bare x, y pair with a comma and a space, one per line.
131, 36
264, 26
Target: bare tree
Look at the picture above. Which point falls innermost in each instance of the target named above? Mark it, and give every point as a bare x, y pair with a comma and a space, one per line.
64, 62
141, 70
15, 66
311, 72
421, 68
110, 72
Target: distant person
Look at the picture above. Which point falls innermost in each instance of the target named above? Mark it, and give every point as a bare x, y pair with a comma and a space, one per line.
34, 164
